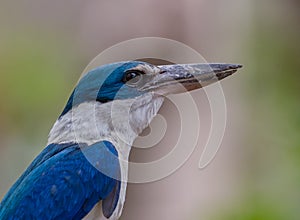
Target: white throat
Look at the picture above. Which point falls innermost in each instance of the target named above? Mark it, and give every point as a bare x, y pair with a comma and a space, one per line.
118, 121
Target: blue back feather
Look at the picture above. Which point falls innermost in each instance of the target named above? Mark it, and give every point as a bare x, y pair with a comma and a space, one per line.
62, 184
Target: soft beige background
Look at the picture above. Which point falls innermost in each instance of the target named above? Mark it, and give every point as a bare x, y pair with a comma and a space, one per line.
45, 45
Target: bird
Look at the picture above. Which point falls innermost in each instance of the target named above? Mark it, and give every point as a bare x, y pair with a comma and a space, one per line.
82, 172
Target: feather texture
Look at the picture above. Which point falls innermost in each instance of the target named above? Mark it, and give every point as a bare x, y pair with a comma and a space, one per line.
61, 183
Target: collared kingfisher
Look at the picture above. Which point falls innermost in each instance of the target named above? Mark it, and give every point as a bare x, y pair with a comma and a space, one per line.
82, 173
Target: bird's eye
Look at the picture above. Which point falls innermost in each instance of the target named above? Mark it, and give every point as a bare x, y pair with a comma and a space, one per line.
132, 76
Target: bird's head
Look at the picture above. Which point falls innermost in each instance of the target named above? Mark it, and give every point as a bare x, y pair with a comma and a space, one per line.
133, 79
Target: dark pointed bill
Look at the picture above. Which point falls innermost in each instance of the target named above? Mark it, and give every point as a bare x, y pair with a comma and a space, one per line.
179, 78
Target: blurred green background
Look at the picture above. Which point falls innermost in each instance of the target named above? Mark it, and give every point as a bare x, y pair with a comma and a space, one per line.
45, 45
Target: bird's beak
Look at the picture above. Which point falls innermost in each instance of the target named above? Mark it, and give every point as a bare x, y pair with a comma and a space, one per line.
180, 78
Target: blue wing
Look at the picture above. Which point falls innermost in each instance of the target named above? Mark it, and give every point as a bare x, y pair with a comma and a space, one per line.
61, 183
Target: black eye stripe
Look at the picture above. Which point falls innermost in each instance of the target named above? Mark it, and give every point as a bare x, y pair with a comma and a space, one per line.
131, 74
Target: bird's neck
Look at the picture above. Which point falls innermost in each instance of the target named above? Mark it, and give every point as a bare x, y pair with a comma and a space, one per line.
118, 121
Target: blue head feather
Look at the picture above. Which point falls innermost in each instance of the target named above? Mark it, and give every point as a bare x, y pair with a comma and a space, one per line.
103, 84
